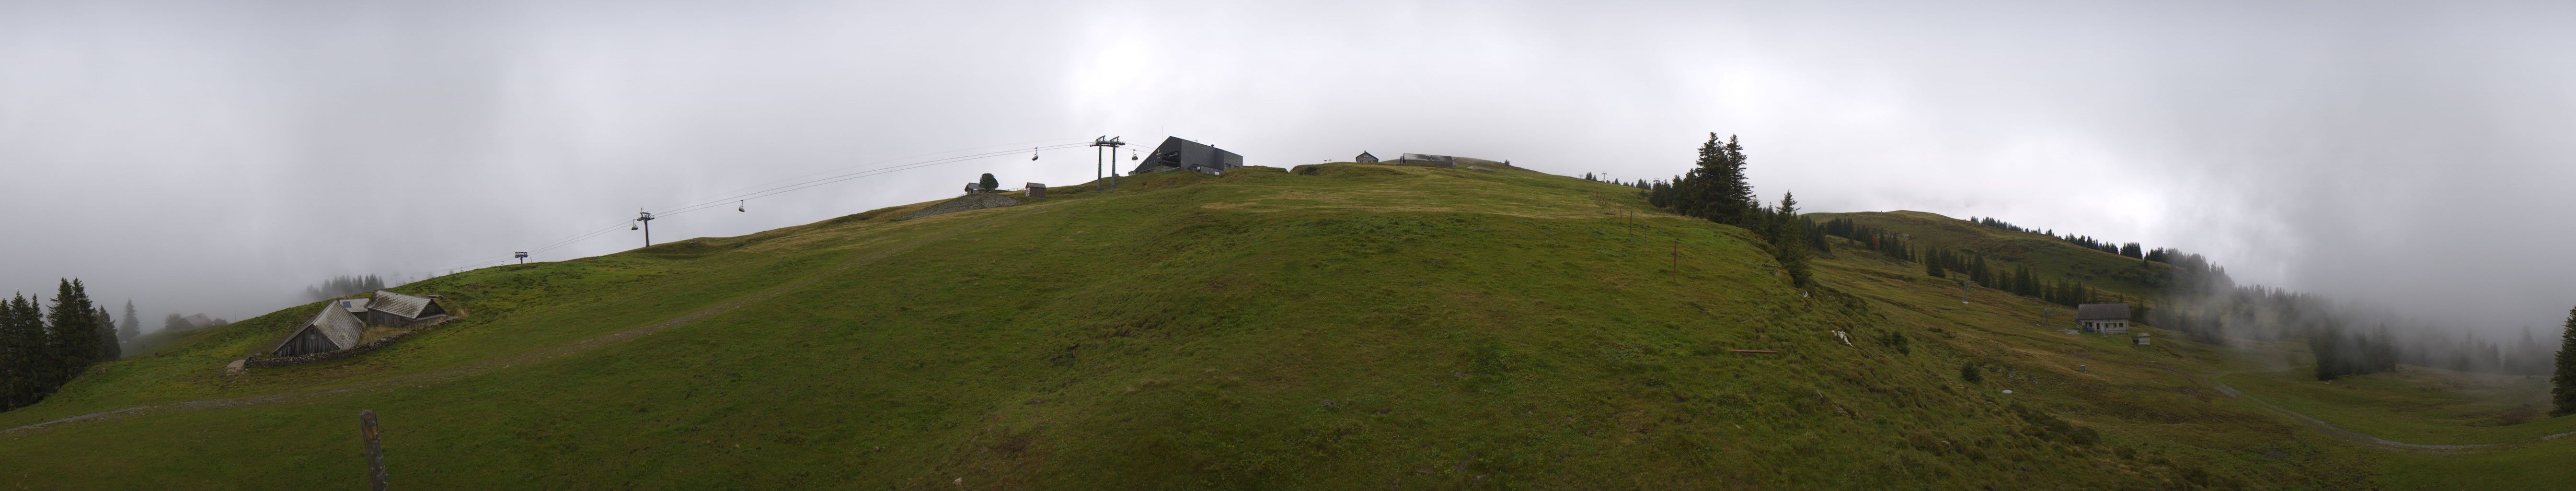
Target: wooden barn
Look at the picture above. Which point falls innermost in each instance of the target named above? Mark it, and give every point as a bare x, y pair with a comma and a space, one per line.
343, 323
2105, 318
1365, 158
332, 330
399, 310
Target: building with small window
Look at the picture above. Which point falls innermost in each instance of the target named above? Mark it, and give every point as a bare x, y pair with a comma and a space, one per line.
2104, 318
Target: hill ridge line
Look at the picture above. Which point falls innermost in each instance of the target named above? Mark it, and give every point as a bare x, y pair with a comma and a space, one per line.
532, 356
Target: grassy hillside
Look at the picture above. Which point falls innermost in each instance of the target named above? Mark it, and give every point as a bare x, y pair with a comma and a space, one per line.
2052, 258
1342, 326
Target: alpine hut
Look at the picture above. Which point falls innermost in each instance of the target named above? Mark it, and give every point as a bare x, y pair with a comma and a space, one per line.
1178, 154
2105, 318
395, 309
1365, 158
332, 330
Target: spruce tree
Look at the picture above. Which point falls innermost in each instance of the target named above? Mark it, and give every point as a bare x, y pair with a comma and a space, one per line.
1789, 242
108, 348
2563, 388
22, 352
73, 330
1735, 189
129, 328
988, 183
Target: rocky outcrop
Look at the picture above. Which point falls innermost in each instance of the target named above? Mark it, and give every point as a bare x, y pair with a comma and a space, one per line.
969, 202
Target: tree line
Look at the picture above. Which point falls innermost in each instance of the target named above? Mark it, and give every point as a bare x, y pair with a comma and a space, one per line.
1939, 262
42, 348
1716, 189
341, 285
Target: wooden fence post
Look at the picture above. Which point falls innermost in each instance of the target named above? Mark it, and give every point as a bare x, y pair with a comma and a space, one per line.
375, 452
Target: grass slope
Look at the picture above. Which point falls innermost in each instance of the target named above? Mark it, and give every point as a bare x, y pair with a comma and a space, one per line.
2053, 259
1343, 326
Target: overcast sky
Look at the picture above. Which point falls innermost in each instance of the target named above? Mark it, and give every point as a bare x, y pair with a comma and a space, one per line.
217, 157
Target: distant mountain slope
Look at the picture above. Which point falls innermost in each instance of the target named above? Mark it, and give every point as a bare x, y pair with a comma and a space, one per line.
1342, 326
2055, 259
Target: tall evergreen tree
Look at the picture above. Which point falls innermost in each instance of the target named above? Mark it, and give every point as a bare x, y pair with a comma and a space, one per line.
24, 354
988, 183
73, 329
132, 326
1733, 191
2563, 384
108, 348
1789, 240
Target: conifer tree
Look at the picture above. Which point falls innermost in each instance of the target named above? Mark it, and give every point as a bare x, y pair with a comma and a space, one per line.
988, 183
1789, 242
2563, 385
23, 352
73, 329
108, 348
127, 329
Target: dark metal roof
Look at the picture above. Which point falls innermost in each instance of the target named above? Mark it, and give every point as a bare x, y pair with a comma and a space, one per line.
405, 306
1184, 154
2102, 311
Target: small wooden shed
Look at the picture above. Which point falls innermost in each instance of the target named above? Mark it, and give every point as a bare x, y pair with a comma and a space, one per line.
331, 330
1037, 191
395, 309
1365, 158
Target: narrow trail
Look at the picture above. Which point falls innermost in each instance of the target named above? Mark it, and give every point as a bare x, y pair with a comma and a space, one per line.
2354, 436
529, 357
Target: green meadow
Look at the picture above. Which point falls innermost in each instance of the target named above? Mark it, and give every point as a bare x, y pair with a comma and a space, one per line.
1329, 326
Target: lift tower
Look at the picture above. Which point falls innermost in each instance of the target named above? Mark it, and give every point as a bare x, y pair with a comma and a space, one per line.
1100, 167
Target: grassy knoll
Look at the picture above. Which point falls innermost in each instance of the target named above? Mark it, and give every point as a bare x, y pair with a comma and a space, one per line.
1340, 326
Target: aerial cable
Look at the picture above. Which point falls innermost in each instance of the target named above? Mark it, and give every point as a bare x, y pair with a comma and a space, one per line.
986, 148
741, 202
854, 175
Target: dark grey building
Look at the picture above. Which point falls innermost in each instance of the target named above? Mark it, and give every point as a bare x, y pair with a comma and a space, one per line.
1178, 154
333, 330
395, 309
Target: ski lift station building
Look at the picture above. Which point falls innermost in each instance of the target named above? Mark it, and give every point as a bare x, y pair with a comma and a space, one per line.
1178, 154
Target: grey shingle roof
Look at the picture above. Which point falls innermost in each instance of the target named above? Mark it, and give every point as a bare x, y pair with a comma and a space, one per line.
2102, 311
334, 323
405, 306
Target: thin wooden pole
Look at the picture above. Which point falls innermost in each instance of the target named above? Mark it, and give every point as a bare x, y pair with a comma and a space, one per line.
375, 452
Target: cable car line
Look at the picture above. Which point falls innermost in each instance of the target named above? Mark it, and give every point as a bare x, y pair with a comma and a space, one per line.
742, 201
